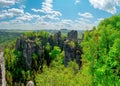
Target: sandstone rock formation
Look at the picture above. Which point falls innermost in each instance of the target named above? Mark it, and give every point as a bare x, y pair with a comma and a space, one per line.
28, 50
72, 51
69, 52
2, 70
30, 83
28, 46
72, 35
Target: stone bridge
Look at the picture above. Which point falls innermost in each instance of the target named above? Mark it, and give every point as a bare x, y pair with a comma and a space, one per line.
2, 70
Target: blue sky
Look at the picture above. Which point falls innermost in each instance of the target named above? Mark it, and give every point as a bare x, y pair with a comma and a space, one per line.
55, 14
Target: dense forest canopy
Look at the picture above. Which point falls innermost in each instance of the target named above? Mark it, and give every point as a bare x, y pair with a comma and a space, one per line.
101, 48
7, 36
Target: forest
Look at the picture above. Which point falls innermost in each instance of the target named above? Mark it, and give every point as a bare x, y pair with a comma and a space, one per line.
7, 36
91, 58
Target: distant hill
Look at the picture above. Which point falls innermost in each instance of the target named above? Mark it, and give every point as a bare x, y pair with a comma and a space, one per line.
6, 36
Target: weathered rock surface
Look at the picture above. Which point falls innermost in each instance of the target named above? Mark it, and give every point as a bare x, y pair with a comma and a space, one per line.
2, 70
72, 35
30, 83
57, 38
28, 46
69, 53
72, 51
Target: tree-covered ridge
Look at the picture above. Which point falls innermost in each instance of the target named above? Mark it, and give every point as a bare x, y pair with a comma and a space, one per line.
110, 23
101, 47
6, 37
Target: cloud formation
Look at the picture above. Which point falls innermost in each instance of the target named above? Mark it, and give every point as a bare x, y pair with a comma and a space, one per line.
85, 15
12, 12
8, 3
77, 1
45, 17
47, 9
106, 5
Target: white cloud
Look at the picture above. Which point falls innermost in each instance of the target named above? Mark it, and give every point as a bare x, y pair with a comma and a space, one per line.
16, 11
106, 5
98, 20
47, 6
18, 15
47, 9
85, 15
84, 20
36, 10
77, 1
64, 23
6, 3
25, 17
5, 14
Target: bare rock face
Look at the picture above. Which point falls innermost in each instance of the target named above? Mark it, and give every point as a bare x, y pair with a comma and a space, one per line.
69, 52
19, 43
72, 35
28, 46
78, 57
57, 38
2, 70
72, 51
0, 75
30, 83
51, 41
28, 50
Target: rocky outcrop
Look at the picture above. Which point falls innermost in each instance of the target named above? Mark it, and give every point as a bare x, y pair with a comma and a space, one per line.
29, 45
72, 35
28, 49
20, 42
72, 50
69, 52
30, 83
57, 38
2, 70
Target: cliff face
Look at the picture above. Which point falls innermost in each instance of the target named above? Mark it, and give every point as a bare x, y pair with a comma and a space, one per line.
28, 46
2, 70
71, 48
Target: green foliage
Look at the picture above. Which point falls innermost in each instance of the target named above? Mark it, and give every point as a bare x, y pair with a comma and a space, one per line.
101, 47
71, 43
48, 47
55, 52
15, 66
34, 56
62, 76
37, 41
57, 61
6, 37
44, 34
111, 23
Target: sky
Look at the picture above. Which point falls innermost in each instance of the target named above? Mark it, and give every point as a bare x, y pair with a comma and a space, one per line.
55, 14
